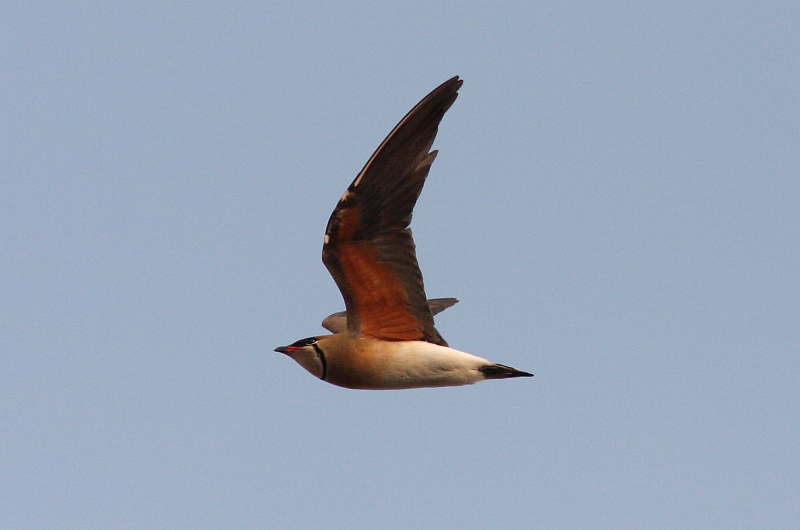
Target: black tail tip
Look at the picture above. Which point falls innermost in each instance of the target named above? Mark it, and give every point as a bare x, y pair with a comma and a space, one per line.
501, 371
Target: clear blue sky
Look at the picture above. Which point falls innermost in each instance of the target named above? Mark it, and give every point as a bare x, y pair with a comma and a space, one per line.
615, 203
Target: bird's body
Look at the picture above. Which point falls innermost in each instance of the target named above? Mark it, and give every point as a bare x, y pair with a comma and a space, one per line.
386, 339
368, 363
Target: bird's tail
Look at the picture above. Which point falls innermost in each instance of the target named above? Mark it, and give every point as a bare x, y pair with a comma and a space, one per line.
501, 371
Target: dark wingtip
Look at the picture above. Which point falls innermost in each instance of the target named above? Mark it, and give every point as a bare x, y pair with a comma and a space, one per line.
438, 305
501, 371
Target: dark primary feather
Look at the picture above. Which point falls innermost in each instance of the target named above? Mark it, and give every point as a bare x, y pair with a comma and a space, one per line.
370, 224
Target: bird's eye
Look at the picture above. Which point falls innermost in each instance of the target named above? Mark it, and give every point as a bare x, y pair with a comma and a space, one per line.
305, 342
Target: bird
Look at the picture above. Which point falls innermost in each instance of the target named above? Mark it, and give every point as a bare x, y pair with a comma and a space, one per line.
386, 338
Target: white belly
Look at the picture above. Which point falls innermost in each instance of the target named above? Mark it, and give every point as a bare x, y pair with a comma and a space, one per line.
415, 364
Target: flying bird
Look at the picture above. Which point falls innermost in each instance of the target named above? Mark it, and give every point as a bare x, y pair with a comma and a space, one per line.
386, 338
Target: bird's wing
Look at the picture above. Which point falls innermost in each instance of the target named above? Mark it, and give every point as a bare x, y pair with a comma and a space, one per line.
368, 246
337, 322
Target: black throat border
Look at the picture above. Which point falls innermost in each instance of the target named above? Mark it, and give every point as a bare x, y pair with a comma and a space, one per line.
322, 359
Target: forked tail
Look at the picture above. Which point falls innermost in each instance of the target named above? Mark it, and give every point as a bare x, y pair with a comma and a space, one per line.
501, 371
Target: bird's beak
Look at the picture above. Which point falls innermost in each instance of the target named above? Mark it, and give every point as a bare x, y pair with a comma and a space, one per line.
282, 349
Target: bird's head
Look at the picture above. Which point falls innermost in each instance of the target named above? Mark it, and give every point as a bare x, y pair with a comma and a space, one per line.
309, 355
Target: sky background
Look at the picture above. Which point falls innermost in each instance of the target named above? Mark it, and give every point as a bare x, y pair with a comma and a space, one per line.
615, 203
